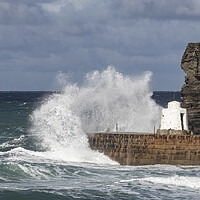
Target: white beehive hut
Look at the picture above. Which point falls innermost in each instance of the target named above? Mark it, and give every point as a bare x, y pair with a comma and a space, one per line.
174, 117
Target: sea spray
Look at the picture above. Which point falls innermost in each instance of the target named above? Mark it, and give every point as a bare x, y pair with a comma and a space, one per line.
58, 130
62, 121
109, 97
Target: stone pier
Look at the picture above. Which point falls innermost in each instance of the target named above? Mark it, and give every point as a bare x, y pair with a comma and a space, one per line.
148, 149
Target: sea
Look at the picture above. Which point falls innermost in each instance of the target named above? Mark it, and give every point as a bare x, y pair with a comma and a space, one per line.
44, 151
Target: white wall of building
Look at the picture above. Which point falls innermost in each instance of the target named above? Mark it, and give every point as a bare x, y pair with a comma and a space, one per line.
174, 117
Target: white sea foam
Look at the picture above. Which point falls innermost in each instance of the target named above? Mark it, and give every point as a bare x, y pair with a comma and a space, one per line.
12, 143
61, 122
35, 171
178, 181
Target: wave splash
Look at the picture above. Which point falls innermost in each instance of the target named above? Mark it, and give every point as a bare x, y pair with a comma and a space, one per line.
106, 98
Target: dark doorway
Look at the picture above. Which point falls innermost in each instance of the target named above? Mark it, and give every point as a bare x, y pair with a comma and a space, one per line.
182, 124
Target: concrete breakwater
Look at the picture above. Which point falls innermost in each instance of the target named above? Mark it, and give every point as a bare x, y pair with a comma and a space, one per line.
148, 149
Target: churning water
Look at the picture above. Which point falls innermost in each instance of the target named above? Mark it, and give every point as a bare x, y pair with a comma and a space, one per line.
44, 151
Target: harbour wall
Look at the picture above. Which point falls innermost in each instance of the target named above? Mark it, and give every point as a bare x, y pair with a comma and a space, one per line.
147, 149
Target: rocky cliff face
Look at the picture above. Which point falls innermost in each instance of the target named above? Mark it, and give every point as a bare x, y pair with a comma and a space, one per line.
190, 63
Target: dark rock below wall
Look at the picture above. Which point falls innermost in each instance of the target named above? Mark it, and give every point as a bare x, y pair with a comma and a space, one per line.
190, 63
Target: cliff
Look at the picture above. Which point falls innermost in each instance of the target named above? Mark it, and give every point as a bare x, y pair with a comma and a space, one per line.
190, 63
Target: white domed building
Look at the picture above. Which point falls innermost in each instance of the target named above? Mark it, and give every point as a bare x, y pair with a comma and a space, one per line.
174, 120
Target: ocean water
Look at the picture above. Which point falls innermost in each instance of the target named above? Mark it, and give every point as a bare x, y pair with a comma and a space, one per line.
44, 152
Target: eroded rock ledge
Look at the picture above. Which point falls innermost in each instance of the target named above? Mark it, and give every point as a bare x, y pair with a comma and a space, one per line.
190, 63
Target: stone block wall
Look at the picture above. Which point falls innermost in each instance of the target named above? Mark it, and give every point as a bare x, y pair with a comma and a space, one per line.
143, 149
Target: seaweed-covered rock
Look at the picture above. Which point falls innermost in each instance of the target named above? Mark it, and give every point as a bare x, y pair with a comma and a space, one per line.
190, 63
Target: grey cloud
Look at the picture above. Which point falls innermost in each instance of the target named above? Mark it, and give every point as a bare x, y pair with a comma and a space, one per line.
88, 35
20, 13
157, 9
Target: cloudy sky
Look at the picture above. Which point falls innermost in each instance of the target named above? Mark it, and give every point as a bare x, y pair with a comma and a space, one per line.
38, 38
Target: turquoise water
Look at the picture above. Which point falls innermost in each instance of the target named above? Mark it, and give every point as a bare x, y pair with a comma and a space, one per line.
29, 171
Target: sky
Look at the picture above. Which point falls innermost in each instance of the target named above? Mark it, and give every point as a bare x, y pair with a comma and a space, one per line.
39, 38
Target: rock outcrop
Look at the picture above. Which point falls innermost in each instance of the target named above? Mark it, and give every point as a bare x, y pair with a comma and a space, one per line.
190, 63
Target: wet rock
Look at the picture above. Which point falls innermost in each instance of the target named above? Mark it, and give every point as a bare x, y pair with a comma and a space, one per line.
190, 63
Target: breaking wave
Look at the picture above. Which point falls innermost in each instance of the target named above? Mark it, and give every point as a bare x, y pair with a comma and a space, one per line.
60, 124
